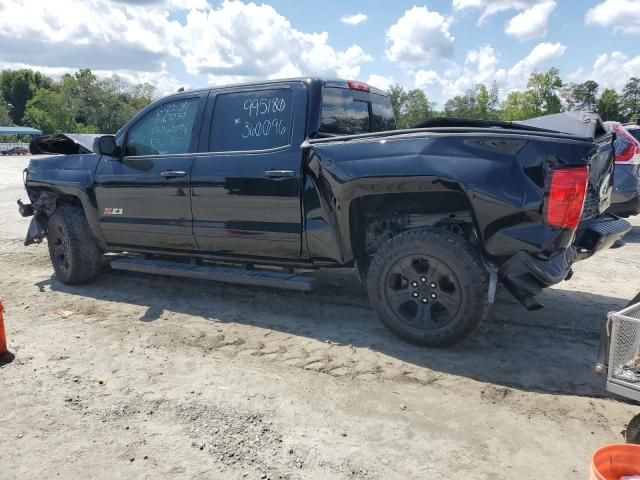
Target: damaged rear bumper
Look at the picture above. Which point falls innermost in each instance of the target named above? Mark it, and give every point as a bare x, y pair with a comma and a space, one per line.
525, 275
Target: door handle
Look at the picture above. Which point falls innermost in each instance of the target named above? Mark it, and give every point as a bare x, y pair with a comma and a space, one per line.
277, 173
173, 174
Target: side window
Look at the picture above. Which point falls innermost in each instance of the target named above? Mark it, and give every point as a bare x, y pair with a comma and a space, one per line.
258, 120
165, 130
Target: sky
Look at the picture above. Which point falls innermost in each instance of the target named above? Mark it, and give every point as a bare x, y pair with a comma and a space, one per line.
443, 47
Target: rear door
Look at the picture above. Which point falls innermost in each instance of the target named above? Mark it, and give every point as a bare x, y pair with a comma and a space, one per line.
144, 197
246, 183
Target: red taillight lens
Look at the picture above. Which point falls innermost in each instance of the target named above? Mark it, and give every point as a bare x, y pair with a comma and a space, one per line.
625, 145
626, 153
363, 87
566, 196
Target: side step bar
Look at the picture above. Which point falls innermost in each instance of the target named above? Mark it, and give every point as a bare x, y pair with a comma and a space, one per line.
262, 278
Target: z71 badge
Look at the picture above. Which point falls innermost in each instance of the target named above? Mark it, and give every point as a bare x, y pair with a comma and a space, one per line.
112, 211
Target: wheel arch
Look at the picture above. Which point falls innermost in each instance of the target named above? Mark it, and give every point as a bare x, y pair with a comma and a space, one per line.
47, 199
373, 219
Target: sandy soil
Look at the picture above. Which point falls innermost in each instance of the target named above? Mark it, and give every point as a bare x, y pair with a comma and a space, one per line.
152, 377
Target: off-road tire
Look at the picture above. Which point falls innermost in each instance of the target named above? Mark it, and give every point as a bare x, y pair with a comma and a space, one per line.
75, 256
465, 278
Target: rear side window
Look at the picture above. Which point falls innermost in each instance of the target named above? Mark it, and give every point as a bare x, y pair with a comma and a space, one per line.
347, 112
257, 120
165, 130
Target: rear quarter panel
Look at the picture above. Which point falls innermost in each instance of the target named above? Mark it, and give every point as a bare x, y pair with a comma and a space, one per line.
503, 177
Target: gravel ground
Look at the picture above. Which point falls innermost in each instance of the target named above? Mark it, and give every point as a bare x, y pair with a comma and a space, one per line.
137, 376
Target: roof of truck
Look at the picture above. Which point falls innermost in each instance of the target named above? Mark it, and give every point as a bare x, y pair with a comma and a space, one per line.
331, 82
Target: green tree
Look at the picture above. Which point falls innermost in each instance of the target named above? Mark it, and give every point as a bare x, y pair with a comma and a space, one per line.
543, 89
18, 86
608, 105
49, 111
519, 106
410, 107
478, 102
82, 92
630, 99
462, 106
5, 117
119, 101
580, 95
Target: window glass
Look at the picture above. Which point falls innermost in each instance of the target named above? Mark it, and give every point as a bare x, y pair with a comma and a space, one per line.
257, 120
347, 112
383, 116
165, 130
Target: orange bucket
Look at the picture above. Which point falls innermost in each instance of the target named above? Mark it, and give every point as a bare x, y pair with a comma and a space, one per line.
614, 461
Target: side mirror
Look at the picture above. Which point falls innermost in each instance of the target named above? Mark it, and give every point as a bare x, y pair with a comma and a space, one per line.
106, 145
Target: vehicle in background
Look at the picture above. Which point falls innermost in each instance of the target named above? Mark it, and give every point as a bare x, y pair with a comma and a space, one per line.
625, 199
15, 151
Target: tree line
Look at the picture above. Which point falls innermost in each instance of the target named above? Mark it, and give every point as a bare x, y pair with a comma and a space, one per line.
82, 103
545, 94
78, 102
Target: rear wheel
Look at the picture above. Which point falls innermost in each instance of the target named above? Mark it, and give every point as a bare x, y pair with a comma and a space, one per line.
429, 287
74, 254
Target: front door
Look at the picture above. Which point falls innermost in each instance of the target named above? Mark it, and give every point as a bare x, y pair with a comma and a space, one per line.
246, 188
144, 197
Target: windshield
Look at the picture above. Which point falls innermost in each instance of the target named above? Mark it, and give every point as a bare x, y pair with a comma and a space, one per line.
349, 112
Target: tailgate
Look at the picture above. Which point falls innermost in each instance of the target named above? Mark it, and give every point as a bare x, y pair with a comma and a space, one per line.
600, 177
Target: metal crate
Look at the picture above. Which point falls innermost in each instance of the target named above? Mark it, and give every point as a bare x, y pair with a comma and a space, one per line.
623, 376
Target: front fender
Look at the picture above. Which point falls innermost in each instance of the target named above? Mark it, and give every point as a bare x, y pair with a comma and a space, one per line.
66, 176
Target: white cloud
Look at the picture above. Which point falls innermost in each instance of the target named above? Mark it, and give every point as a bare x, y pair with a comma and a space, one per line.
492, 7
427, 79
171, 4
419, 36
532, 22
380, 81
90, 34
610, 70
538, 58
355, 19
621, 15
482, 65
164, 82
256, 41
233, 40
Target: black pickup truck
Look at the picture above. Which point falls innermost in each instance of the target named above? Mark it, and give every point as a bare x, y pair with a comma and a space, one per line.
256, 184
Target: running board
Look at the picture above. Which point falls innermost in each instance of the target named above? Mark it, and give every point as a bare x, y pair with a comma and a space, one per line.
261, 278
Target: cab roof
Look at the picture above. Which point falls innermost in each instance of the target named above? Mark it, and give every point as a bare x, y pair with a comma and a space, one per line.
318, 81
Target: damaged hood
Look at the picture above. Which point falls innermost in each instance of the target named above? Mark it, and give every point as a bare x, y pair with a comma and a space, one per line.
63, 143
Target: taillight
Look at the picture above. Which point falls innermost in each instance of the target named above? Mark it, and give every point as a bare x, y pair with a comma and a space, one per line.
626, 154
625, 145
363, 87
566, 196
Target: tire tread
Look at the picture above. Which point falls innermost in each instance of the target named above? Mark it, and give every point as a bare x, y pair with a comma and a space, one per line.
475, 278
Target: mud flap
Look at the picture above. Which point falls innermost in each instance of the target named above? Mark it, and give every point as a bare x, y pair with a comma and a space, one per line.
37, 230
525, 276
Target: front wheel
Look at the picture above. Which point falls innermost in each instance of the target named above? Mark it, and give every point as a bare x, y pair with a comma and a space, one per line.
429, 287
74, 254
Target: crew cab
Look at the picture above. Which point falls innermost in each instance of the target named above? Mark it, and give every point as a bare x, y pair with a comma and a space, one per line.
257, 183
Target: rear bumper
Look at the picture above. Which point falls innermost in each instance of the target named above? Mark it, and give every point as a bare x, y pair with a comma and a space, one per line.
525, 275
599, 234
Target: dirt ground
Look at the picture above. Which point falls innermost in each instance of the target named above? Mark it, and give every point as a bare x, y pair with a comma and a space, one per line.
151, 377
